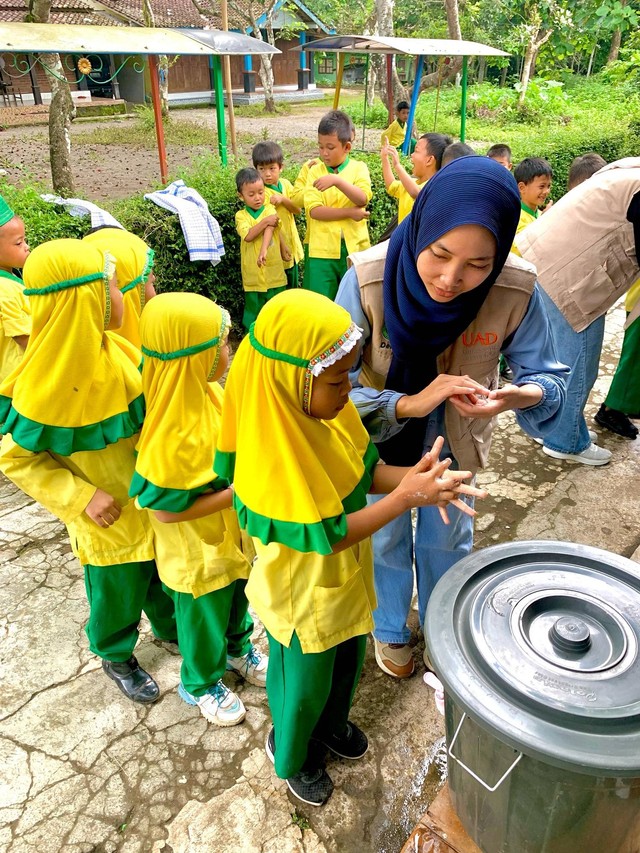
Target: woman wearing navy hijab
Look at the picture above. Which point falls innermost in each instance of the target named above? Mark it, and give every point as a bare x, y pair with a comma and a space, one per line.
438, 304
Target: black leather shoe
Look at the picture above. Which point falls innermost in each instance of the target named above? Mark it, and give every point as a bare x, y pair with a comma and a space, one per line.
616, 421
135, 683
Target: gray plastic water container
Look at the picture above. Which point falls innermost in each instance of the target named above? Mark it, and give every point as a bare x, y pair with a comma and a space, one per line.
537, 645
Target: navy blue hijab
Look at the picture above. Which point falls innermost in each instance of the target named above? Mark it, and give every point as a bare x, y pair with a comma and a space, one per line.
468, 191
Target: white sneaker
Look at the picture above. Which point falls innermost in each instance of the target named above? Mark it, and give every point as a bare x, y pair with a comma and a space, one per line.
593, 455
592, 435
219, 705
252, 667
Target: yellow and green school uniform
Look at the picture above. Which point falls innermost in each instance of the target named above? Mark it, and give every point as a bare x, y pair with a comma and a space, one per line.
396, 189
259, 283
624, 391
201, 562
527, 216
71, 413
330, 243
134, 263
297, 197
289, 232
316, 606
395, 133
15, 320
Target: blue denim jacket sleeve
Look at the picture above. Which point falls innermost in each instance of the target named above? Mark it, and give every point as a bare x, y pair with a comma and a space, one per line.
377, 409
531, 355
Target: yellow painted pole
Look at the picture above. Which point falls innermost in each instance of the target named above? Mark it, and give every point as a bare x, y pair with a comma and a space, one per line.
336, 94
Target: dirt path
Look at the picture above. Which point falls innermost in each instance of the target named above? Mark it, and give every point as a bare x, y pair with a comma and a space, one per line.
103, 172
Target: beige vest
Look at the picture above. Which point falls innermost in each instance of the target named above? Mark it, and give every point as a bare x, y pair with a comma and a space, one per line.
583, 247
476, 352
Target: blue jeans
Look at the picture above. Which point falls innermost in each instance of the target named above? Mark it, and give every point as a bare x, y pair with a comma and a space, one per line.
436, 548
581, 352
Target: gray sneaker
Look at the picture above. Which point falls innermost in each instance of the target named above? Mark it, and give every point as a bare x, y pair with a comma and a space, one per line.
593, 455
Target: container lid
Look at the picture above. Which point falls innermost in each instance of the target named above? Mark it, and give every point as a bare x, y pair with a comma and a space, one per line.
539, 643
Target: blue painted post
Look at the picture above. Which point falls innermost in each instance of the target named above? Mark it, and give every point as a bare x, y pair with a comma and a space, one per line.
414, 103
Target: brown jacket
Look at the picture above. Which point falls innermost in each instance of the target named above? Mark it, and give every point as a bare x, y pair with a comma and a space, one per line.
583, 247
476, 352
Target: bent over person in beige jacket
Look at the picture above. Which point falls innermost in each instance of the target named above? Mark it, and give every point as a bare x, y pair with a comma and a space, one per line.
587, 253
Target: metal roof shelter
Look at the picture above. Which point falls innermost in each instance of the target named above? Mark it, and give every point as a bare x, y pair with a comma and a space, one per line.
30, 38
409, 47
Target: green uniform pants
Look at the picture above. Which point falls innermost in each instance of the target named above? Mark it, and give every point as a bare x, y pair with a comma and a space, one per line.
624, 393
254, 300
323, 275
211, 627
293, 276
117, 596
309, 695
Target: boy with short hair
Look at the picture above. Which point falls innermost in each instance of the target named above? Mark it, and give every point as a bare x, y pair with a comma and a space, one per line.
15, 313
338, 191
501, 153
455, 150
396, 131
261, 263
268, 160
533, 176
405, 187
583, 167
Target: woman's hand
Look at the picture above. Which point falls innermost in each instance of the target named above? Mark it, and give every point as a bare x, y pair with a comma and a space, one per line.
501, 400
442, 388
103, 509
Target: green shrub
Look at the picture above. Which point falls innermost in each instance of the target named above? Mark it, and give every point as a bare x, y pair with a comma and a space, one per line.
161, 229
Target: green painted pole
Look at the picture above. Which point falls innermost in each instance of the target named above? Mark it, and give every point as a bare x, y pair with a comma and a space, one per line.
463, 100
219, 90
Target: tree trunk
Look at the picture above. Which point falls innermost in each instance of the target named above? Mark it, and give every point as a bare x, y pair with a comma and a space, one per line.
591, 58
449, 73
482, 68
529, 57
614, 49
453, 19
503, 76
61, 110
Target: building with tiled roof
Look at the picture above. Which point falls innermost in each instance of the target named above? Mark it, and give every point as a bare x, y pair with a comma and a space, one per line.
189, 77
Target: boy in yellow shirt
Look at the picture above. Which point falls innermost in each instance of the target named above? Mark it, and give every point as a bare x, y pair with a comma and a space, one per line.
15, 314
261, 255
396, 131
337, 193
268, 160
425, 164
533, 176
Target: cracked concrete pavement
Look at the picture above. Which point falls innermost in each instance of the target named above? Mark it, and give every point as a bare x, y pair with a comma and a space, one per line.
85, 770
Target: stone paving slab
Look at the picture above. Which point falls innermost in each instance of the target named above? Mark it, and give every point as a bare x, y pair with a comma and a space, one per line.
85, 770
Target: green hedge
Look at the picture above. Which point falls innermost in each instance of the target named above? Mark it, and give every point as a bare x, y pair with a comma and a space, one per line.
216, 184
161, 230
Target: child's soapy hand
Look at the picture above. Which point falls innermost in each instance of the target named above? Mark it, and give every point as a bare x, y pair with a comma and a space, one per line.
502, 399
430, 483
103, 509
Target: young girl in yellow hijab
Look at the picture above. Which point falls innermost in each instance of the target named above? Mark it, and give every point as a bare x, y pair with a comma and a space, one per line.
134, 274
71, 412
303, 499
199, 553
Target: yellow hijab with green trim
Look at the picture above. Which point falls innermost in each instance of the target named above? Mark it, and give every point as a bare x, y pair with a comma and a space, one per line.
77, 386
181, 338
134, 262
295, 477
